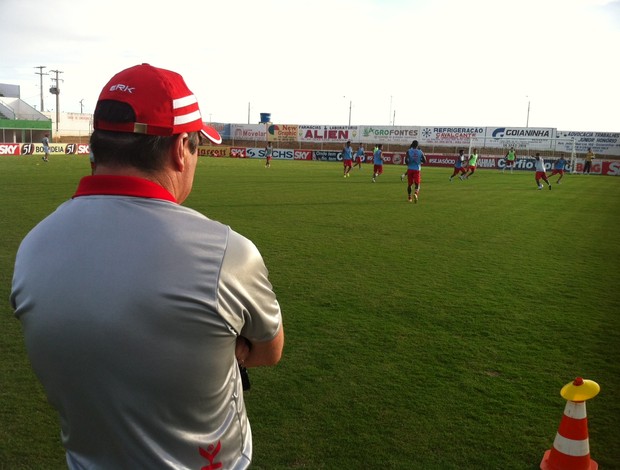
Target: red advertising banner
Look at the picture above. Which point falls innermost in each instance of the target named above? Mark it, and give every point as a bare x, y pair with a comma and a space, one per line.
601, 167
9, 149
302, 155
238, 152
610, 168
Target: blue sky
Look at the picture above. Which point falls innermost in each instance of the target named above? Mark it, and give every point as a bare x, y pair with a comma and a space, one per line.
441, 62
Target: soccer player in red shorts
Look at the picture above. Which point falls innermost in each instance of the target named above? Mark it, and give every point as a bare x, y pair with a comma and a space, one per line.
347, 158
359, 156
540, 172
414, 159
473, 158
459, 165
268, 155
558, 167
378, 162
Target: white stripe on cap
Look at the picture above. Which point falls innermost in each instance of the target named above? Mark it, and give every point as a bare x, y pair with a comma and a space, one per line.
182, 102
185, 118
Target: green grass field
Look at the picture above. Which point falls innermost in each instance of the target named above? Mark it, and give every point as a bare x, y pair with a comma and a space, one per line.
434, 335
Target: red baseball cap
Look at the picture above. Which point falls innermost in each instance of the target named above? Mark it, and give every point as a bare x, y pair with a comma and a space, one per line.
161, 101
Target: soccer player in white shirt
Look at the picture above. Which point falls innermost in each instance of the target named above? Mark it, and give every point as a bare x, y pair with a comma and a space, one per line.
541, 173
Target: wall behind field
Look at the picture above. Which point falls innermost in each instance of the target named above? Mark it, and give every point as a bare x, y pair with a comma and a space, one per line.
524, 139
77, 127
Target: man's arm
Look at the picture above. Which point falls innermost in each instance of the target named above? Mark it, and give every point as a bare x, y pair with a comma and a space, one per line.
267, 353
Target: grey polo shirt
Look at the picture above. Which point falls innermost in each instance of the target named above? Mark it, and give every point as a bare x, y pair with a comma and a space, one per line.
131, 305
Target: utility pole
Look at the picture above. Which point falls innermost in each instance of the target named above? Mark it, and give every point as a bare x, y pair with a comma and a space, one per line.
40, 72
55, 90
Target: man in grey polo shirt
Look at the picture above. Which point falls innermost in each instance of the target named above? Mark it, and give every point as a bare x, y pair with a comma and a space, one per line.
136, 311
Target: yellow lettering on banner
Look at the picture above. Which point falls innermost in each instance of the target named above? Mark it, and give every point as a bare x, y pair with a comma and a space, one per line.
214, 151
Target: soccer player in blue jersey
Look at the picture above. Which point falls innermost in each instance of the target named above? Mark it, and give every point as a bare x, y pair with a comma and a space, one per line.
359, 156
558, 167
459, 165
414, 160
377, 162
347, 158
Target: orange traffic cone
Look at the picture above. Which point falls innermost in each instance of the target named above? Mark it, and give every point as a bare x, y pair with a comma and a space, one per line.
571, 448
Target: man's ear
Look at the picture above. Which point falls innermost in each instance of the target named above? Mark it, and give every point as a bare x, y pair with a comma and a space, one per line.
177, 151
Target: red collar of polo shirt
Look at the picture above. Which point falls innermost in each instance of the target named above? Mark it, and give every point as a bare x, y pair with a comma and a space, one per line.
113, 185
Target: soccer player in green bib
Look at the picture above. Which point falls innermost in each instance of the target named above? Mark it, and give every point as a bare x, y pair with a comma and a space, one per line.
511, 158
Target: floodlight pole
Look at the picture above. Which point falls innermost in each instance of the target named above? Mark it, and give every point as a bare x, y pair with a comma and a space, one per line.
350, 104
527, 122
